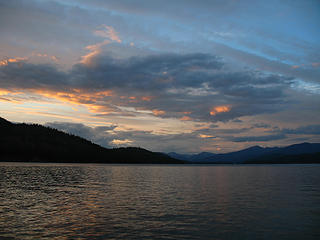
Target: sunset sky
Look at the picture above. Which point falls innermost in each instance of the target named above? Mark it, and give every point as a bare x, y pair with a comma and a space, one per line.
170, 75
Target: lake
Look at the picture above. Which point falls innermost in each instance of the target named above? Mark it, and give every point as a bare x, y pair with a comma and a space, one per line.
88, 201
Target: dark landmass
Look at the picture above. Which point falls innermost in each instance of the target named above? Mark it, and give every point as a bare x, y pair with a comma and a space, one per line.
297, 153
192, 157
36, 143
282, 159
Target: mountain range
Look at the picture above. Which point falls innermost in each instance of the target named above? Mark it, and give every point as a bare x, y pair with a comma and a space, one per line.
297, 153
198, 157
36, 143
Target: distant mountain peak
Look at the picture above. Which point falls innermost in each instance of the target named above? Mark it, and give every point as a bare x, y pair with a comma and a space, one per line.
255, 147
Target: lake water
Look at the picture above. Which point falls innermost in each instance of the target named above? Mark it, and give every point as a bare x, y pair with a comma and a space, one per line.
73, 201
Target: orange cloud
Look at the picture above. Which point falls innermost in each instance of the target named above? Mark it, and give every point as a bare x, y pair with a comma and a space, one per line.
295, 66
45, 55
5, 99
137, 99
7, 95
146, 98
99, 109
205, 136
185, 118
76, 96
120, 142
219, 109
54, 58
4, 92
108, 32
157, 112
94, 101
95, 50
12, 60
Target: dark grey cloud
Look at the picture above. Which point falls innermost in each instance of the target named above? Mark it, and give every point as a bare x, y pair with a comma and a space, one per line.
273, 44
24, 75
310, 129
262, 125
264, 138
193, 82
150, 73
98, 135
222, 131
71, 23
177, 83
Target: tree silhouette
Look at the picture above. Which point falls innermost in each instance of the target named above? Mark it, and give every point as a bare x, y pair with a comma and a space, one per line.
37, 143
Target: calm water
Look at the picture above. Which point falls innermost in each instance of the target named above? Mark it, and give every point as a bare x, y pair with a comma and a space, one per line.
51, 201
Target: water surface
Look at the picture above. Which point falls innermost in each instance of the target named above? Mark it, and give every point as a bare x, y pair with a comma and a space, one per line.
84, 201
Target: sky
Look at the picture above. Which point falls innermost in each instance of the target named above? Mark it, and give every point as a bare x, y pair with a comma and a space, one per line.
171, 75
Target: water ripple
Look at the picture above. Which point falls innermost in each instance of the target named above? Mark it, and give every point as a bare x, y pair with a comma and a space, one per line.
51, 201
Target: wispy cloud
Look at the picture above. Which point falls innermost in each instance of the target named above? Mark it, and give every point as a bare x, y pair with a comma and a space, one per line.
121, 142
95, 50
206, 136
107, 32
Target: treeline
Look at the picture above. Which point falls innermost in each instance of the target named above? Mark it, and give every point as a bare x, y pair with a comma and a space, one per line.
37, 143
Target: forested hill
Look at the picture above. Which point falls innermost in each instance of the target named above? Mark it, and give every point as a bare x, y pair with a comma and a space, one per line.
36, 143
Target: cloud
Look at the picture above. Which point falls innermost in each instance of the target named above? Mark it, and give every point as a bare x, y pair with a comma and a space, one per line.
167, 85
99, 135
221, 132
107, 32
219, 109
110, 136
264, 138
304, 130
167, 77
261, 125
158, 112
24, 75
6, 61
104, 31
69, 23
206, 136
185, 118
123, 142
206, 139
95, 50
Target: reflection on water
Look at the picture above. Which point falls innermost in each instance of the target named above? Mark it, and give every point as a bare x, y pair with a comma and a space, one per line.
51, 201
